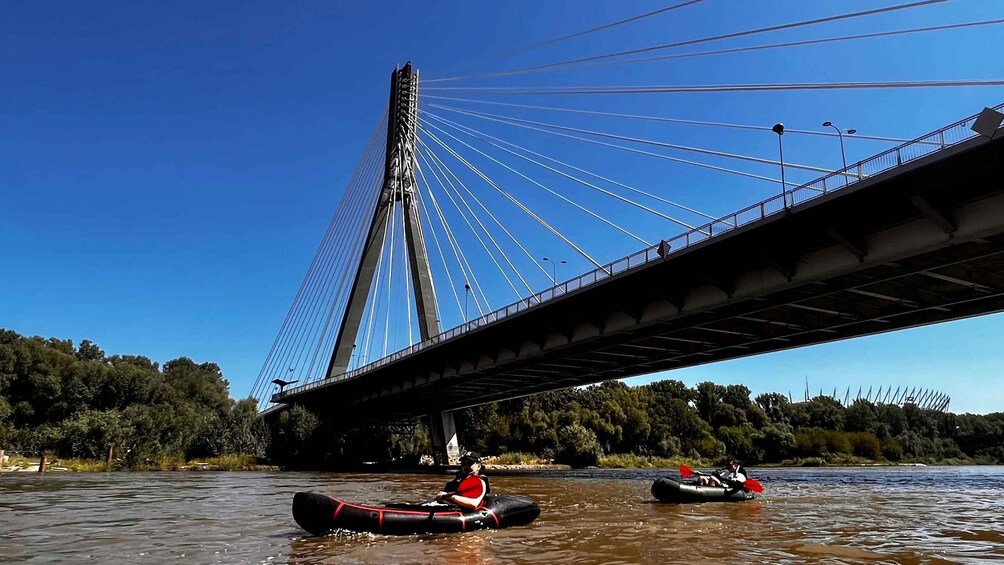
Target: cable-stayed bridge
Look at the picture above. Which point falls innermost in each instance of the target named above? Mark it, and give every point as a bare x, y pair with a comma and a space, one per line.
908, 237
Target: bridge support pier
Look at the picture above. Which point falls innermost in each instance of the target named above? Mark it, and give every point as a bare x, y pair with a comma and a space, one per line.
443, 433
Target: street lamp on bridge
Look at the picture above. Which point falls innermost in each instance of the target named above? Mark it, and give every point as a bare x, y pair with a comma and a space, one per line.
467, 295
554, 269
840, 134
282, 383
779, 130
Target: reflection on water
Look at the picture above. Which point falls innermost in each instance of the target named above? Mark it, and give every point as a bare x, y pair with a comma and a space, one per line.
868, 515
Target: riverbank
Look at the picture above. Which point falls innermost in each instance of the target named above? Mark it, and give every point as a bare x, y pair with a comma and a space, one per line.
518, 461
18, 464
509, 463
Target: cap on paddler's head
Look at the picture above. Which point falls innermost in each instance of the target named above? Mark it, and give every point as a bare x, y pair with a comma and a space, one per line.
470, 457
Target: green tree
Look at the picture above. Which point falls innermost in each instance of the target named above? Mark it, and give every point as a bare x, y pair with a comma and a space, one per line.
775, 444
865, 444
736, 395
89, 352
707, 399
578, 447
292, 435
825, 412
202, 384
90, 433
739, 442
861, 416
893, 417
776, 406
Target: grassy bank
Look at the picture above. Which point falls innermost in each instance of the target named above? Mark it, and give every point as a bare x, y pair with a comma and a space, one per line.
222, 463
634, 461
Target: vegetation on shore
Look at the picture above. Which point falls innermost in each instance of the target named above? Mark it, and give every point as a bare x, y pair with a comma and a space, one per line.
223, 463
76, 403
666, 423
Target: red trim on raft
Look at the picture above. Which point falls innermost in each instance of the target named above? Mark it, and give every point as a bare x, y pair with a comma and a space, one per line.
380, 523
396, 511
334, 518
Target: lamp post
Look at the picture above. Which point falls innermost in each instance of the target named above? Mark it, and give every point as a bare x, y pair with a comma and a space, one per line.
282, 384
467, 295
554, 269
779, 130
840, 134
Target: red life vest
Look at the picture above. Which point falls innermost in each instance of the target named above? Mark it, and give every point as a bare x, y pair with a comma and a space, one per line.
473, 487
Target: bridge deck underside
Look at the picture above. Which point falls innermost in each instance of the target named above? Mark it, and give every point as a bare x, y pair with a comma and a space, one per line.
919, 245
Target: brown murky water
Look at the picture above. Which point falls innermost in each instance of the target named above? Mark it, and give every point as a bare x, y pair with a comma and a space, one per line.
870, 515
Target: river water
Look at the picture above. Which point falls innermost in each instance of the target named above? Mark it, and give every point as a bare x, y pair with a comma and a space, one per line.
845, 515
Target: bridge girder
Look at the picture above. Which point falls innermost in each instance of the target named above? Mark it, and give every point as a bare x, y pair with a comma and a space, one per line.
892, 267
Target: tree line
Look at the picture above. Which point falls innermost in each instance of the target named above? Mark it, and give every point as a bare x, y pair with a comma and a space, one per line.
76, 401
709, 421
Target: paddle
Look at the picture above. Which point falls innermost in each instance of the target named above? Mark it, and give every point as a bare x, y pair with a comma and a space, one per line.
749, 484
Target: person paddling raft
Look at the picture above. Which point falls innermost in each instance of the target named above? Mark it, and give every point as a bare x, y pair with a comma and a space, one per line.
469, 487
733, 475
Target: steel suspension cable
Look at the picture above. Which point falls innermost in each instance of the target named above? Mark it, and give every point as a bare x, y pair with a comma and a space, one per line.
390, 265
375, 287
792, 25
793, 43
343, 211
324, 343
519, 204
579, 34
519, 121
328, 289
332, 286
474, 281
669, 89
343, 287
470, 278
549, 190
669, 120
406, 268
435, 237
325, 293
490, 238
379, 290
292, 314
650, 154
601, 190
499, 223
444, 170
419, 203
581, 170
292, 338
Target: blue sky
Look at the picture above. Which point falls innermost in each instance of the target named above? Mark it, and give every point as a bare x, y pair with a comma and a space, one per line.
168, 170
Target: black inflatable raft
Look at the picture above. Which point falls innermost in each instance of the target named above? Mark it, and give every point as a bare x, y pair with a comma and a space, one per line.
669, 490
319, 514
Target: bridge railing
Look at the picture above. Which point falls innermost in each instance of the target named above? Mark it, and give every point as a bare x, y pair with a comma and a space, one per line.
835, 181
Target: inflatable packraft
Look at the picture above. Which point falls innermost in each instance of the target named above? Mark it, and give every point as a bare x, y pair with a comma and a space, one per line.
319, 514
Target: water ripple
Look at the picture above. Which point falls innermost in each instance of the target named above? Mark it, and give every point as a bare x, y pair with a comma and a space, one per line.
866, 515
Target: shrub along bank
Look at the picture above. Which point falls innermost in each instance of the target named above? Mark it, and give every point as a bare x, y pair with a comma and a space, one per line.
77, 402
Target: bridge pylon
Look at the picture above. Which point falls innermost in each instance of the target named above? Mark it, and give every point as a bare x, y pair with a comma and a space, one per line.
399, 187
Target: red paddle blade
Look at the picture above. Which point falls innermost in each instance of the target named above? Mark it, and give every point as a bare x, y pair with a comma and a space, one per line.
686, 471
753, 485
